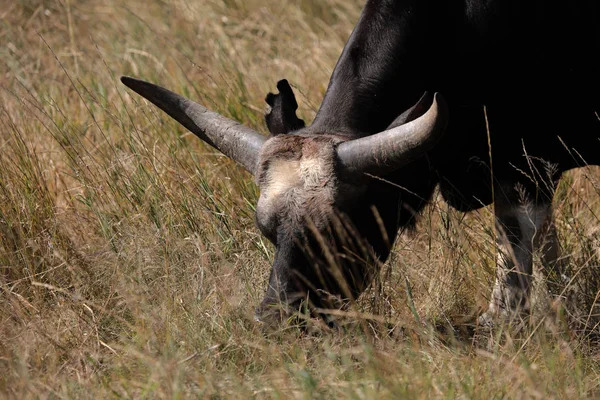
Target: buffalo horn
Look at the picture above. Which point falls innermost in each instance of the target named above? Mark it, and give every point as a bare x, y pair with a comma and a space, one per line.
389, 150
231, 138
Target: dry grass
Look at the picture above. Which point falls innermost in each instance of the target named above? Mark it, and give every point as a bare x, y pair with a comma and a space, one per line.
129, 262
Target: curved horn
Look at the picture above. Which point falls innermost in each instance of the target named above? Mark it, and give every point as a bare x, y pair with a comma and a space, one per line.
231, 138
391, 149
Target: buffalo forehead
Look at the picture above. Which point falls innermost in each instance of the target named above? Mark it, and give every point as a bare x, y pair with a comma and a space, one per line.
301, 175
310, 174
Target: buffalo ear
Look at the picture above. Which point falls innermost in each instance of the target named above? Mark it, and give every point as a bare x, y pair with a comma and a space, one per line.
282, 117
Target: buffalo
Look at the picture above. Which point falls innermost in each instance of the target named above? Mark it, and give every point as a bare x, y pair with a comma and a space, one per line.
488, 100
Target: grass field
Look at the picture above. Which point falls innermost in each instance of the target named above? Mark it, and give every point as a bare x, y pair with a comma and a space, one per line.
130, 266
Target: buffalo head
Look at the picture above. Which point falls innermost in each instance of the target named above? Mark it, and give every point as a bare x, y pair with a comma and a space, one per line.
314, 203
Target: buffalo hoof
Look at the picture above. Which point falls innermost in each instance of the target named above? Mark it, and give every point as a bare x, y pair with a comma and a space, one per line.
486, 321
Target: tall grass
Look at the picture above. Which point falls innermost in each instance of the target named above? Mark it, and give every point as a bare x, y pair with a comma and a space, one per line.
129, 262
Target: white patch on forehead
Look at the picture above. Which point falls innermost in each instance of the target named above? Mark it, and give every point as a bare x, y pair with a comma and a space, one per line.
281, 177
295, 177
303, 185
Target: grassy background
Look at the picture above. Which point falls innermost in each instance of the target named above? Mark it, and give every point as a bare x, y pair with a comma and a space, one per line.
129, 263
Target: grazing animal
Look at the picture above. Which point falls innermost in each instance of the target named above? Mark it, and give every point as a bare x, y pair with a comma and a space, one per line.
520, 106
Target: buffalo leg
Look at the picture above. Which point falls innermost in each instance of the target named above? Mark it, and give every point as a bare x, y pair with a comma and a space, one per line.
522, 227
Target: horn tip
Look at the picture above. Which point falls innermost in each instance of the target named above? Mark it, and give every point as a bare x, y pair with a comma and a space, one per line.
438, 96
141, 87
440, 101
129, 81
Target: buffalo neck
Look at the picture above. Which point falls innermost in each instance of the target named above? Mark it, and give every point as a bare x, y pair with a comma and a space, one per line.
377, 73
